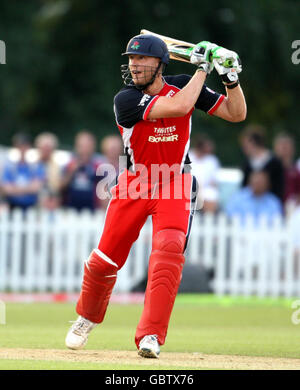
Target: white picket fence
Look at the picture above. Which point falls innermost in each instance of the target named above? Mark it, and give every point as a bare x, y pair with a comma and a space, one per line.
42, 251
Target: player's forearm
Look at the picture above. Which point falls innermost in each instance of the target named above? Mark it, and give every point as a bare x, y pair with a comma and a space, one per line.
236, 104
186, 99
182, 102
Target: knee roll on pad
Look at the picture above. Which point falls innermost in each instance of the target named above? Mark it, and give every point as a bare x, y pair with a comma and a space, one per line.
169, 240
99, 266
167, 259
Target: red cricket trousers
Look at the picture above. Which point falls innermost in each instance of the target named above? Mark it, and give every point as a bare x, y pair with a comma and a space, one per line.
171, 205
125, 217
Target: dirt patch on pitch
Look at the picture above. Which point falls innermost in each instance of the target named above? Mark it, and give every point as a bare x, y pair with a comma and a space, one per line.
185, 360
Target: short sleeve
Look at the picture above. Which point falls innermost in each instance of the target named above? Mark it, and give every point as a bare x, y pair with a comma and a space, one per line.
209, 100
132, 106
179, 81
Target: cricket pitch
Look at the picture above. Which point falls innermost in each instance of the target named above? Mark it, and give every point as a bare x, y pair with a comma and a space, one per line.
192, 361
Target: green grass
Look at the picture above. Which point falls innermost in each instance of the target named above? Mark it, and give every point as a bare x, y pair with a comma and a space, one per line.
14, 364
201, 324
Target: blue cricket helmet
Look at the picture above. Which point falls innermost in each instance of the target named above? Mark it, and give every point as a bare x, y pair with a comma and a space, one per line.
148, 45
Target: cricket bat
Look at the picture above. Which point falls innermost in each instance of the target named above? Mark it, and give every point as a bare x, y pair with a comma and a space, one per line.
179, 50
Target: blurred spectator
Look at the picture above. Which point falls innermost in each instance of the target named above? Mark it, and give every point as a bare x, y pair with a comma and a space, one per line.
46, 144
260, 158
205, 166
79, 179
284, 149
255, 199
21, 180
112, 147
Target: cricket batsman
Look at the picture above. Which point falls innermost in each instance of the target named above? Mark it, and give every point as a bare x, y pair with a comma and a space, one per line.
153, 113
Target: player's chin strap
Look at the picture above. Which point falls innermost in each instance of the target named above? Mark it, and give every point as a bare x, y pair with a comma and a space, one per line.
144, 86
126, 76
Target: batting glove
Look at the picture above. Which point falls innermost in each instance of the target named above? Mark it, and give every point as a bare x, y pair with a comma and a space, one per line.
227, 64
201, 56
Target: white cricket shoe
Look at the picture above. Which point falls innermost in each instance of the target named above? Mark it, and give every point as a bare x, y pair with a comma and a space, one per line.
79, 332
149, 347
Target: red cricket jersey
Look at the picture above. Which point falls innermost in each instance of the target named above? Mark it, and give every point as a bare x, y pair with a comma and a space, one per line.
158, 141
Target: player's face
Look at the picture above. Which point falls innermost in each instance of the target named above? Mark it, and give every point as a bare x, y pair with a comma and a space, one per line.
142, 68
